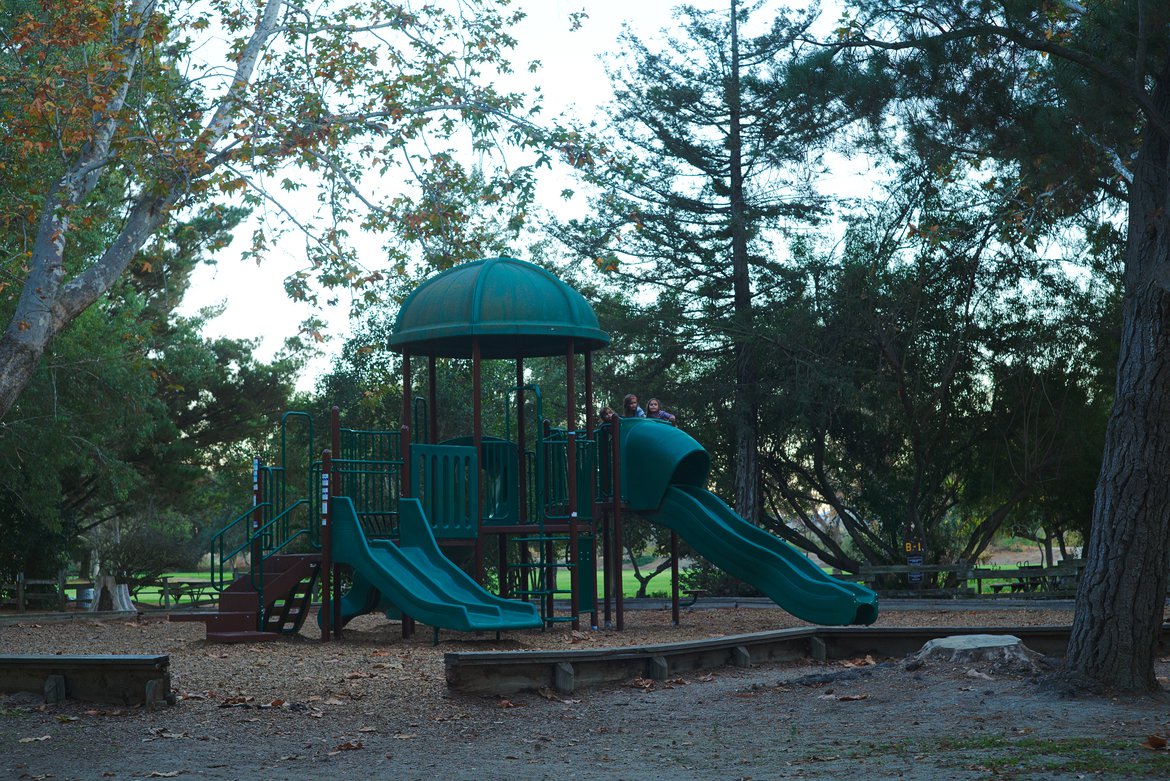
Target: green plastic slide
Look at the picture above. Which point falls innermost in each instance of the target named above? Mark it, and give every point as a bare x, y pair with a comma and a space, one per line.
415, 577
767, 562
664, 471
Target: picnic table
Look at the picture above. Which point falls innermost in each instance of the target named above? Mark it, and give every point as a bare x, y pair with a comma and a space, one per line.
1026, 578
177, 589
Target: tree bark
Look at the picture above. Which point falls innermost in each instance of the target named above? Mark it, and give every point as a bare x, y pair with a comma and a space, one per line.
747, 452
1122, 595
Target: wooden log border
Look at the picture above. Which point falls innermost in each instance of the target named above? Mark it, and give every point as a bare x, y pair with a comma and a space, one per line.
498, 673
115, 679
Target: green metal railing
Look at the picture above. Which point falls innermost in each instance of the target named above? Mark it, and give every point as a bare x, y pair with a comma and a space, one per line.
224, 551
368, 469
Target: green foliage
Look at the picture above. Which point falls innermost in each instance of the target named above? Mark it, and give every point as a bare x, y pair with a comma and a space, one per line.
142, 553
33, 544
702, 575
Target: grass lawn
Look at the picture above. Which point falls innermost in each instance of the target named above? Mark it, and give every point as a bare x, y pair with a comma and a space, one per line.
659, 586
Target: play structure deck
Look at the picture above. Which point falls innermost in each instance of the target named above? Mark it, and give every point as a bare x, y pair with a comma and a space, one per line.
378, 519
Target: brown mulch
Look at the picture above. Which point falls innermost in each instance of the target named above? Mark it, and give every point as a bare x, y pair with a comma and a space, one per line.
376, 705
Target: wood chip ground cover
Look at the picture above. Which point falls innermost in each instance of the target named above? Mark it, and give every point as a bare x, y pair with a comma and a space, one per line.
376, 706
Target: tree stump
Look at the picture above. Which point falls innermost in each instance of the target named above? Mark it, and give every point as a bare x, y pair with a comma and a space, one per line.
109, 595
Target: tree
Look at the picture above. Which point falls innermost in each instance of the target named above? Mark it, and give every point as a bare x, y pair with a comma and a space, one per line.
708, 162
1073, 102
120, 123
132, 418
923, 379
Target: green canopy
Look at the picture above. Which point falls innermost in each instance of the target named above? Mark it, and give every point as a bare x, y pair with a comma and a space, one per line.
517, 310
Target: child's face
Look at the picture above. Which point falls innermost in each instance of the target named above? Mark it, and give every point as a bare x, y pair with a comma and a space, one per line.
652, 405
633, 403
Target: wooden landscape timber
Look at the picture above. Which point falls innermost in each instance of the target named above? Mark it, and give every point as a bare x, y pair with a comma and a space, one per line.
115, 679
498, 673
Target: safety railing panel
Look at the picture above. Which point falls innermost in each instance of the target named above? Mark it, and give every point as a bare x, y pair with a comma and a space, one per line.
555, 489
443, 478
501, 483
369, 471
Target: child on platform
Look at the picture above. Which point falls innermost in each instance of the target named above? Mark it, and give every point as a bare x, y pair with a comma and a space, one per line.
654, 410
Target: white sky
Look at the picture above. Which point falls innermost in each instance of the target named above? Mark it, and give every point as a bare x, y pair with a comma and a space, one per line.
573, 80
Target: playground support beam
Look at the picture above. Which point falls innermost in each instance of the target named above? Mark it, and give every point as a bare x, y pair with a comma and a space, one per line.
522, 475
616, 482
334, 490
258, 512
571, 484
406, 396
432, 402
477, 441
590, 421
674, 576
326, 545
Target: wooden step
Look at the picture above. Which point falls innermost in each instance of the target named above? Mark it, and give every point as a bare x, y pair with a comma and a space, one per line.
251, 636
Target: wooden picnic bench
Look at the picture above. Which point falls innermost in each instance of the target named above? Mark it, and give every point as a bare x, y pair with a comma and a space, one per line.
176, 590
1023, 579
1027, 578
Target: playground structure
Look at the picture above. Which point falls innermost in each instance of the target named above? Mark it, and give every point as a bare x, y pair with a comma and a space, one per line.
387, 510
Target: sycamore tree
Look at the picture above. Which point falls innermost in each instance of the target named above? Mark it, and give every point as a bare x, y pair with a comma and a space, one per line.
121, 114
1071, 102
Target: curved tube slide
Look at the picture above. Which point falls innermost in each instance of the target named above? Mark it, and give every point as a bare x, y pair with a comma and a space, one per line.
664, 473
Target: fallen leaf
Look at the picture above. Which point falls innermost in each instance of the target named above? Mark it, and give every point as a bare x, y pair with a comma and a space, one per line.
405, 736
349, 745
505, 703
1155, 743
164, 733
161, 774
34, 740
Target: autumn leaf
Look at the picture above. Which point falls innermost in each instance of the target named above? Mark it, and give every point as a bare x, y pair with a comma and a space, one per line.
506, 703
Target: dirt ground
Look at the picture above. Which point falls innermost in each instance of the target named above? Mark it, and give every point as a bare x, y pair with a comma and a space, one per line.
375, 706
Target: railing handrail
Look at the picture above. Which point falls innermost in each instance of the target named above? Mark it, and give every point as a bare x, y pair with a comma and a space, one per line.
218, 583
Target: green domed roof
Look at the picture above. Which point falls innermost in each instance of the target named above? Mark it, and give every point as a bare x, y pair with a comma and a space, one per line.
517, 310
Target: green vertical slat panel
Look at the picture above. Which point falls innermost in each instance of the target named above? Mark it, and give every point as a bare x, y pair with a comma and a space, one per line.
442, 478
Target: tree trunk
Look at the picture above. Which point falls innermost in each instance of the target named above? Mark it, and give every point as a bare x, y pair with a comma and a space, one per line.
747, 452
1122, 595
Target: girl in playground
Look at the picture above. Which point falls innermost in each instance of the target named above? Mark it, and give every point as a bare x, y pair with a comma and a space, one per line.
630, 408
654, 410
